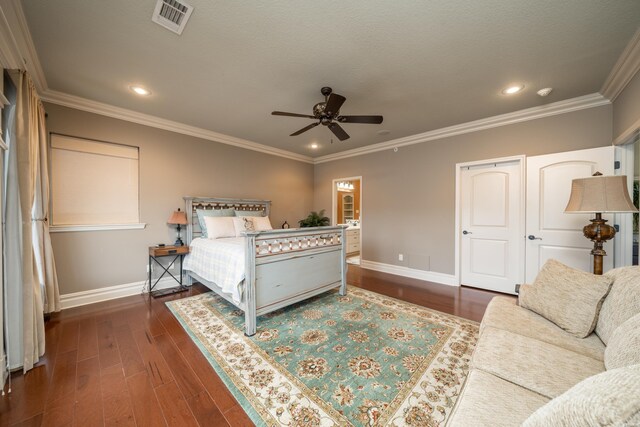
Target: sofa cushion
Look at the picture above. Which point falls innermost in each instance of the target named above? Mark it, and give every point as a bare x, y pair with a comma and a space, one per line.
622, 303
503, 313
538, 366
611, 398
624, 345
487, 400
568, 297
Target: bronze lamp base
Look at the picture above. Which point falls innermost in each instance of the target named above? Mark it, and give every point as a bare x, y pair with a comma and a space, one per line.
598, 232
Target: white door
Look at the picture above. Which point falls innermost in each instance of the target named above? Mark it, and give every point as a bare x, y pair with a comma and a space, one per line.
491, 234
551, 233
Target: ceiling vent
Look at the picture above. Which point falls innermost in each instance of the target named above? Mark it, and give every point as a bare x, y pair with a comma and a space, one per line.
172, 14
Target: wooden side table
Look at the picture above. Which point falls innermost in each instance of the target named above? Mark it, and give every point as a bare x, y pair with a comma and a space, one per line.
155, 252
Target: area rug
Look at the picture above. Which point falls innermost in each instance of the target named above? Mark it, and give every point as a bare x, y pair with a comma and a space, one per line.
358, 360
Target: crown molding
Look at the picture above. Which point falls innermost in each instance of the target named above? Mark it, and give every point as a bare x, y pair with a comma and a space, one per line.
72, 101
626, 67
20, 43
556, 108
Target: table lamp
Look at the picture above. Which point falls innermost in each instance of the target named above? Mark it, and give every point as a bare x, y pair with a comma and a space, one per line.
178, 218
599, 194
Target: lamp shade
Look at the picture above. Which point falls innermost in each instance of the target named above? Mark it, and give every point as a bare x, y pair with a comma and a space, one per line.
178, 217
600, 194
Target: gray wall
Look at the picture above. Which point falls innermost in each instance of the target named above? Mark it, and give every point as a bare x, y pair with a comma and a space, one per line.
626, 107
408, 200
171, 166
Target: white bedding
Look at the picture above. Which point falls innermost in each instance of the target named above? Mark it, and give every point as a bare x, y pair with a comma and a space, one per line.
220, 261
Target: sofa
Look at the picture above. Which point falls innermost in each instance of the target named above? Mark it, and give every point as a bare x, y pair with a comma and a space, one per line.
526, 370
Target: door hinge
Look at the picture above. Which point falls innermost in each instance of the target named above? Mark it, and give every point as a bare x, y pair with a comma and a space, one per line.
616, 164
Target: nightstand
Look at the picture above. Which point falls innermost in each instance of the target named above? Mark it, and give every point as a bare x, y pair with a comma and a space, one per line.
177, 252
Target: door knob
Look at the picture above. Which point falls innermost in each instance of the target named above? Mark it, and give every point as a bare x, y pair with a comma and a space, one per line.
532, 237
465, 232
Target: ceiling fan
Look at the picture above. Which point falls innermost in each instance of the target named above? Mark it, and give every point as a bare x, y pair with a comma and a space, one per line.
328, 114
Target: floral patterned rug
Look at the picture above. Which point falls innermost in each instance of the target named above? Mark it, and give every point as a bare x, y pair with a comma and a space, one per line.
359, 360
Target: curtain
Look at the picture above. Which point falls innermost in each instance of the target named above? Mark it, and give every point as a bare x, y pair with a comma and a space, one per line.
36, 278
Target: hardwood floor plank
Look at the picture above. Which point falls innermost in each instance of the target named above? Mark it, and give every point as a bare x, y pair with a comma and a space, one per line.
116, 401
131, 360
59, 412
88, 339
144, 401
171, 324
69, 338
174, 407
156, 366
206, 411
187, 381
35, 421
207, 375
107, 345
63, 381
88, 400
236, 417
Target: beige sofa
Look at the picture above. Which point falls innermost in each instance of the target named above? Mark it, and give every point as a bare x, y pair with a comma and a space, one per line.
523, 361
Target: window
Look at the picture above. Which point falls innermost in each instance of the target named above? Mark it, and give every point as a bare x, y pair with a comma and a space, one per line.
94, 185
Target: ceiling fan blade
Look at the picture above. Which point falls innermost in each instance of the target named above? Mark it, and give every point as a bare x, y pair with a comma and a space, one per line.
334, 103
282, 113
360, 119
338, 131
304, 129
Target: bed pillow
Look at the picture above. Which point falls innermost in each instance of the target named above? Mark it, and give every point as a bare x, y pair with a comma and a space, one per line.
568, 297
242, 224
219, 226
249, 213
202, 213
251, 223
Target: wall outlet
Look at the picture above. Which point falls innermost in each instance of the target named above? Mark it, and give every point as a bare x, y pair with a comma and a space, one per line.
400, 257
148, 268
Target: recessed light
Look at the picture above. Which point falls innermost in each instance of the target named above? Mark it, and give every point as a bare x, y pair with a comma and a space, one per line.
512, 89
544, 92
314, 145
140, 90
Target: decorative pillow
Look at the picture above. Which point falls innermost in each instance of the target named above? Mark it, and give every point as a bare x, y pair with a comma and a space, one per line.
242, 224
219, 226
202, 213
249, 213
622, 303
611, 398
624, 345
261, 223
568, 297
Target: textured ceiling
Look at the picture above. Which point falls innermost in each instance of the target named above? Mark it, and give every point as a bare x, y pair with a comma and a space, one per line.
423, 65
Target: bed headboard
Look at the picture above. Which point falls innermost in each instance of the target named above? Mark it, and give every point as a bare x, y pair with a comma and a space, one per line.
262, 207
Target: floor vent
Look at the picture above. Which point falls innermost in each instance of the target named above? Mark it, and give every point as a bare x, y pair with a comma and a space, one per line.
172, 14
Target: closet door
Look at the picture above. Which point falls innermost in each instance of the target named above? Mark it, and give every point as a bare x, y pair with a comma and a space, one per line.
551, 233
491, 246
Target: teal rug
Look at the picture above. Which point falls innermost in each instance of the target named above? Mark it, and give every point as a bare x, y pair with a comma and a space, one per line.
363, 359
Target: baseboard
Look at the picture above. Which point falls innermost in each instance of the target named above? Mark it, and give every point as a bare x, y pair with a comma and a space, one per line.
430, 276
77, 299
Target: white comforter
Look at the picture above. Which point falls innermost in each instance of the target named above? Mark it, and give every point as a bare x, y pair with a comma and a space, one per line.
220, 261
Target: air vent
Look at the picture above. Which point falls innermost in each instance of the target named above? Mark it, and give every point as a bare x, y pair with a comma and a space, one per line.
172, 14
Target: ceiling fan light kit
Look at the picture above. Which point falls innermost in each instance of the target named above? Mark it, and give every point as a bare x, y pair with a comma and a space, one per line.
327, 113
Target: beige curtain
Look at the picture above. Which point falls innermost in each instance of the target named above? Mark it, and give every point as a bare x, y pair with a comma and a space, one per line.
38, 270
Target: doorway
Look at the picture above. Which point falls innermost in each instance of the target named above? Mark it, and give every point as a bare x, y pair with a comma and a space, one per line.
347, 210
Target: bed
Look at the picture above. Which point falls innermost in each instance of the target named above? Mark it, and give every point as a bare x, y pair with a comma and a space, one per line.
266, 270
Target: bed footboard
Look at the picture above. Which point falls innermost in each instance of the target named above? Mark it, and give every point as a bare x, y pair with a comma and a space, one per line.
287, 266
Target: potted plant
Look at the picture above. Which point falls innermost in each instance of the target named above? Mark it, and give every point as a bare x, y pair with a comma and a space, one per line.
315, 219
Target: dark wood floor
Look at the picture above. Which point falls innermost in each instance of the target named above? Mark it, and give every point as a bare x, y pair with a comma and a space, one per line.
129, 362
